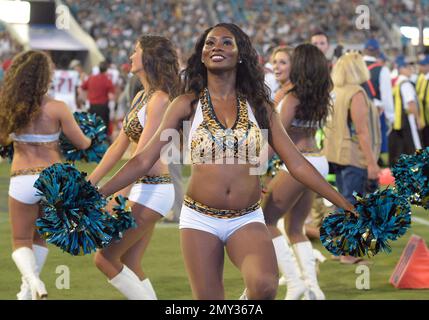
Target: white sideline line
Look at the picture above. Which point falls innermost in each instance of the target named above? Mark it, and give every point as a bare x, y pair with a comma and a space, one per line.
420, 220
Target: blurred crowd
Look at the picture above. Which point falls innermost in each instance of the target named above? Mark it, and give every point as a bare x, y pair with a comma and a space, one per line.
401, 12
115, 24
8, 48
292, 22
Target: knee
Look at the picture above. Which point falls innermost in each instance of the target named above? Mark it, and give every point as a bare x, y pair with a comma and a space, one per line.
146, 220
208, 295
263, 288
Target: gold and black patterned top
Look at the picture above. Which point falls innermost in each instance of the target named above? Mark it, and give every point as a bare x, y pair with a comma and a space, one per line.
134, 120
211, 142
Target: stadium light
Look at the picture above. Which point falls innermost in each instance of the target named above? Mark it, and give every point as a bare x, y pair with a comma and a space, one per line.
413, 34
15, 11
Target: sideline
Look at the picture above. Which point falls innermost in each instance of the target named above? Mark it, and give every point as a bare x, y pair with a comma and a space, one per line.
420, 220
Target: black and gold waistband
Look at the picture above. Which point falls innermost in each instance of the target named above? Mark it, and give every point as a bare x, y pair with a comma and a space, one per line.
159, 179
219, 213
27, 172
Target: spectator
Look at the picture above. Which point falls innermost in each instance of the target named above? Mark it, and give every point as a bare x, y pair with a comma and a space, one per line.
352, 141
404, 138
65, 84
100, 90
77, 66
379, 89
422, 88
320, 40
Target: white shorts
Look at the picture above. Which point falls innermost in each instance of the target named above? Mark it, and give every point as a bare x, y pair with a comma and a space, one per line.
21, 189
158, 197
319, 162
221, 228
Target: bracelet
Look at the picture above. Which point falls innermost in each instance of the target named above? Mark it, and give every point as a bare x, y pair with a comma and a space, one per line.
109, 198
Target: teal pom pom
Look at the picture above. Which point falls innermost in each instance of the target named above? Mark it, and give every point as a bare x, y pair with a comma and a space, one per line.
274, 166
411, 174
74, 218
121, 218
339, 235
384, 216
6, 152
94, 128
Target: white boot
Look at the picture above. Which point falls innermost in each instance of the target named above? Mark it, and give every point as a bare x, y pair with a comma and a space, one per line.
26, 263
320, 258
281, 226
282, 281
244, 295
289, 268
147, 285
307, 261
129, 285
40, 254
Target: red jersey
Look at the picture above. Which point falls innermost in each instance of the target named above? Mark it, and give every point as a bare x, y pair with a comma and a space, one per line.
98, 87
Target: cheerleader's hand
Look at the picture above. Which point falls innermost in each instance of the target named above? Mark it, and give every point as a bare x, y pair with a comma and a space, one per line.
351, 208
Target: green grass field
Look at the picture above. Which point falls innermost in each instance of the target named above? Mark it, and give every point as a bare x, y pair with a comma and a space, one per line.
164, 265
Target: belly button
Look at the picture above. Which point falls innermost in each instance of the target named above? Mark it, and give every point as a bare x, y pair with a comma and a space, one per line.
228, 191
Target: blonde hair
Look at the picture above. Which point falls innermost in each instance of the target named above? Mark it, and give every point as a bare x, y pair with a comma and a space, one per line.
286, 49
350, 69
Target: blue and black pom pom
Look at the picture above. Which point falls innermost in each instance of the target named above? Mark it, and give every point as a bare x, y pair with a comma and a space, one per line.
274, 166
383, 216
339, 235
411, 174
95, 129
75, 218
122, 218
6, 152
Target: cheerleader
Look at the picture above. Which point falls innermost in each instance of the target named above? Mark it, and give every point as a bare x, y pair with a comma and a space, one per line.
303, 111
155, 62
33, 122
281, 60
229, 106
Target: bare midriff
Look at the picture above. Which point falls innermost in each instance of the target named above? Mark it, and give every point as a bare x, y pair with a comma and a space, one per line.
224, 186
27, 155
304, 139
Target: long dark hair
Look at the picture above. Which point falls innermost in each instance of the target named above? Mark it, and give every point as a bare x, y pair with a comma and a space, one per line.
312, 84
26, 82
160, 63
250, 75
